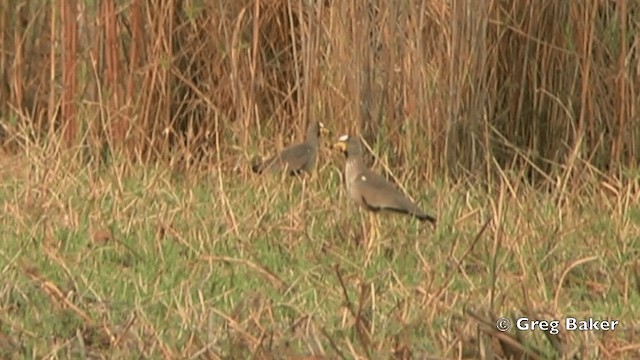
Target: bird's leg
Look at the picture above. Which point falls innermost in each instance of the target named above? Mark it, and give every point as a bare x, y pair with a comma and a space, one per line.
373, 234
363, 231
370, 239
304, 187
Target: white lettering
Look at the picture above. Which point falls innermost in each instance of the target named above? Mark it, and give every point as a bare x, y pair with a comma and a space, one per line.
613, 324
572, 324
522, 324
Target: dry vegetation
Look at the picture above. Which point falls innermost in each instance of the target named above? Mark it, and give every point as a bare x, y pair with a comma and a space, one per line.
132, 227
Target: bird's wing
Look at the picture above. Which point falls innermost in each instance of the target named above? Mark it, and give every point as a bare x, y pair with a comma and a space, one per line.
296, 156
380, 194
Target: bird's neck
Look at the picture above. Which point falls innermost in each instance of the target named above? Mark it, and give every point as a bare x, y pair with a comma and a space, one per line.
354, 167
312, 138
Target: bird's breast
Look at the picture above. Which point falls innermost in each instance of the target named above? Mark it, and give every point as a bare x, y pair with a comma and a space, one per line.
351, 177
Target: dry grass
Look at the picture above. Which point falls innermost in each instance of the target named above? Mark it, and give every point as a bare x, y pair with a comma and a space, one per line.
106, 262
132, 227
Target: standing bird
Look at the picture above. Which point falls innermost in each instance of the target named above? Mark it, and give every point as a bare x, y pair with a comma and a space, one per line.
296, 158
370, 190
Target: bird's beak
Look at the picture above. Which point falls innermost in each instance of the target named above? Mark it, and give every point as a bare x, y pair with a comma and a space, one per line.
323, 130
339, 145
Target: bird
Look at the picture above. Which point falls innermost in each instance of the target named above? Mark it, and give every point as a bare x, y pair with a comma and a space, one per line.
370, 190
297, 158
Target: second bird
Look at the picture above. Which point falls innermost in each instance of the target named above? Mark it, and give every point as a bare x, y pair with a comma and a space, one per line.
296, 158
371, 190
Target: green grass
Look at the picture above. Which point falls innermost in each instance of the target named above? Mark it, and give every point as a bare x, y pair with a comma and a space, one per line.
149, 263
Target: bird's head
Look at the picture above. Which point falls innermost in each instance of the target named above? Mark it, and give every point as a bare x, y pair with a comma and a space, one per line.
347, 145
322, 130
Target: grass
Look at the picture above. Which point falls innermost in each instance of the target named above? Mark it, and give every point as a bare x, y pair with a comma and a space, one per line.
130, 262
205, 260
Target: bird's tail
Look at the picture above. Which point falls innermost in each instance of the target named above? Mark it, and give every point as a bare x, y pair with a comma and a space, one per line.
426, 217
257, 165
